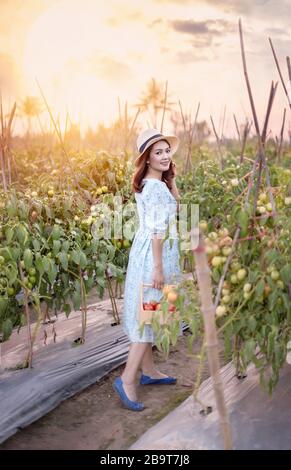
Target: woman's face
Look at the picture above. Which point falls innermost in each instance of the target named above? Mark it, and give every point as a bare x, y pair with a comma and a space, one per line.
160, 156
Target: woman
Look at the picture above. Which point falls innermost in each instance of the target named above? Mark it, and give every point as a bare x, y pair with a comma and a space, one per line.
151, 260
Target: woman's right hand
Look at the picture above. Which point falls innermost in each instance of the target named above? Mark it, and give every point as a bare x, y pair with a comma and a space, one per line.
158, 278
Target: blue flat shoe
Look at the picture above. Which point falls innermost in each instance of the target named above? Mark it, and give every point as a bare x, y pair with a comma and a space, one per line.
131, 405
146, 380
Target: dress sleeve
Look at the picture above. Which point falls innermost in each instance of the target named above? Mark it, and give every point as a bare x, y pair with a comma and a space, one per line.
156, 211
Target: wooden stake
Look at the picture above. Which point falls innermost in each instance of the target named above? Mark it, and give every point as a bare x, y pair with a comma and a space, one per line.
280, 73
218, 143
208, 311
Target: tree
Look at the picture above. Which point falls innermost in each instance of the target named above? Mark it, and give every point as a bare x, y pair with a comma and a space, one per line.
152, 101
30, 108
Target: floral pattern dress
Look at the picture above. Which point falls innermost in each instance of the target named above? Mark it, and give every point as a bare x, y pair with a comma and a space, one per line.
157, 211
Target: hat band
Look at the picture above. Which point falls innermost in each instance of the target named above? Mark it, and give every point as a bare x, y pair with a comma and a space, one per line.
143, 146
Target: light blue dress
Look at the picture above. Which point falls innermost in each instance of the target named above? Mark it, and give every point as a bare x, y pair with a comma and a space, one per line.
157, 210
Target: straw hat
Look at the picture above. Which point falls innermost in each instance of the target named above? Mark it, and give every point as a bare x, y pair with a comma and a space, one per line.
150, 136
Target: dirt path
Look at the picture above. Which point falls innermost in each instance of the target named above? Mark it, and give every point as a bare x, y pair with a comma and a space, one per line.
95, 418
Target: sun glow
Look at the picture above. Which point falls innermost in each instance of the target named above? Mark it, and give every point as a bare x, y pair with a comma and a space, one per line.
79, 59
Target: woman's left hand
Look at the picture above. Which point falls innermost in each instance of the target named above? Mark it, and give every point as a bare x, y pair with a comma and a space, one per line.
173, 173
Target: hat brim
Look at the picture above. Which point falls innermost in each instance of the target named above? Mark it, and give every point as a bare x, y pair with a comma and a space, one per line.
172, 139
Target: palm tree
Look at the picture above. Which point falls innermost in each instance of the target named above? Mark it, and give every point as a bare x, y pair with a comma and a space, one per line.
30, 108
152, 101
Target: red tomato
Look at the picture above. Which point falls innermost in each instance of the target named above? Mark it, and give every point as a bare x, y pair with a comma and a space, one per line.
153, 303
148, 307
172, 308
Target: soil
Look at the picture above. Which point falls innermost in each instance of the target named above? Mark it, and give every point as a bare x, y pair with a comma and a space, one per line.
96, 419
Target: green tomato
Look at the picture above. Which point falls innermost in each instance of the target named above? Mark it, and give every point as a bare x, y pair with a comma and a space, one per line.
10, 291
275, 275
216, 261
247, 287
32, 280
241, 274
226, 299
220, 310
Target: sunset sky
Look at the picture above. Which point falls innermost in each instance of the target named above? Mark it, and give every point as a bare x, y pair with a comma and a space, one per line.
86, 53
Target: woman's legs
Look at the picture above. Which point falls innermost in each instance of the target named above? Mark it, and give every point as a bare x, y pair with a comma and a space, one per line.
140, 356
147, 364
135, 356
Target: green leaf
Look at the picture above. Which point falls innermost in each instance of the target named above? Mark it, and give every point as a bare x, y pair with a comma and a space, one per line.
36, 244
249, 348
252, 323
101, 281
76, 257
65, 246
272, 300
111, 252
63, 257
52, 272
89, 284
27, 257
271, 256
260, 288
15, 252
7, 328
12, 274
39, 263
83, 260
76, 298
285, 273
8, 234
6, 253
3, 305
46, 263
271, 342
67, 309
243, 220
11, 208
56, 246
22, 234
56, 232
112, 268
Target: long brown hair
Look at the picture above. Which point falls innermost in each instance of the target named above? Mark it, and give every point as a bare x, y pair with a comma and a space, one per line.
141, 169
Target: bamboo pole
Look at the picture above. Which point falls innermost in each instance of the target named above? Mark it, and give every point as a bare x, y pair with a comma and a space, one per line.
188, 164
84, 307
237, 129
112, 299
2, 147
62, 144
246, 132
260, 141
164, 107
281, 138
288, 95
218, 143
28, 361
208, 311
